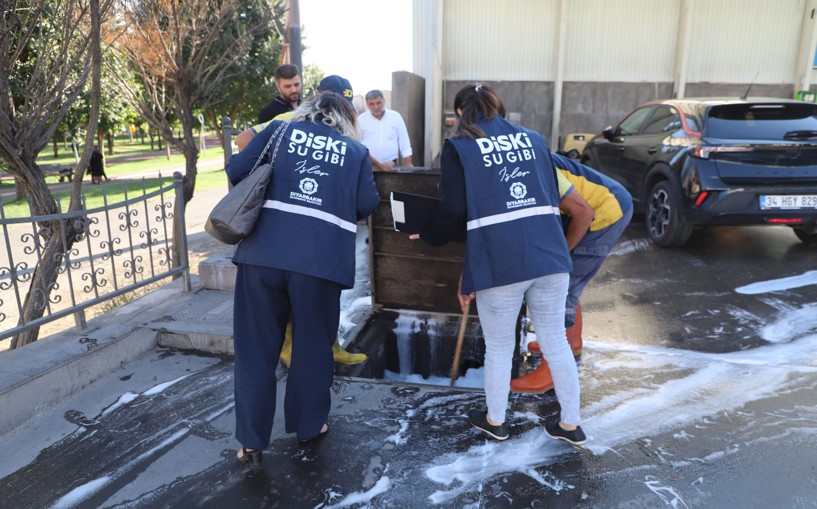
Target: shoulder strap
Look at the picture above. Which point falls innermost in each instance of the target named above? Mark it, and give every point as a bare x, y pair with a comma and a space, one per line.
275, 135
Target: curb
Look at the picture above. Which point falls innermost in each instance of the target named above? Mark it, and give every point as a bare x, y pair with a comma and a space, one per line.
37, 376
27, 389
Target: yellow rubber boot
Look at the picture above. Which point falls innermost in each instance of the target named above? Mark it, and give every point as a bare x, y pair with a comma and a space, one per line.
286, 349
340, 355
344, 357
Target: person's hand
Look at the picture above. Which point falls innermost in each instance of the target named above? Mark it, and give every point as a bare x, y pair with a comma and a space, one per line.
388, 166
465, 300
414, 236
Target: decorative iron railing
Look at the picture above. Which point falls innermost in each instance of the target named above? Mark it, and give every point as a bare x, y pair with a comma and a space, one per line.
121, 247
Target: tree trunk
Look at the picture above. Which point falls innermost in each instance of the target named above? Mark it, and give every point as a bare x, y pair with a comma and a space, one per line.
100, 140
19, 189
216, 122
110, 138
42, 282
58, 236
56, 148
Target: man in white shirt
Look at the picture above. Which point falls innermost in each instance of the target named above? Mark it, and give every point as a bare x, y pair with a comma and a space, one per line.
384, 134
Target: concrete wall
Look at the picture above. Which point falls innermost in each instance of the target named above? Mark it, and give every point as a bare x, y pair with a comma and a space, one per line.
590, 107
528, 103
408, 99
785, 90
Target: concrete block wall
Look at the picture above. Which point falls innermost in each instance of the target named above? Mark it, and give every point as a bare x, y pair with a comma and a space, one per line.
408, 99
528, 103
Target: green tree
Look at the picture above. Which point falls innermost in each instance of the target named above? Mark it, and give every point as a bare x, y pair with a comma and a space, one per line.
252, 85
48, 51
181, 53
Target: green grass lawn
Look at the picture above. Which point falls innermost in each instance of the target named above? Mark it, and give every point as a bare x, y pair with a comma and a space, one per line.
114, 191
132, 157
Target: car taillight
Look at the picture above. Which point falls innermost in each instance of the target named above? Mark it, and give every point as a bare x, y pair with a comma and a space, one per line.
705, 151
783, 220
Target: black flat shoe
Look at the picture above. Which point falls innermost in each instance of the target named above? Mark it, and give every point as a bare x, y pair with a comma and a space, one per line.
249, 457
320, 435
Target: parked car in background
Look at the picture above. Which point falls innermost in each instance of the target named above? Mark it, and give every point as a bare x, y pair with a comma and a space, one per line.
573, 144
715, 161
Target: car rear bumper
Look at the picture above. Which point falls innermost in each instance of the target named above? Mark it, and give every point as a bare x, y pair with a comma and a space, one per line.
742, 207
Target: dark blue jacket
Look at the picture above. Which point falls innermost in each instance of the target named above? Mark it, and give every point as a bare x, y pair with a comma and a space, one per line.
321, 185
503, 188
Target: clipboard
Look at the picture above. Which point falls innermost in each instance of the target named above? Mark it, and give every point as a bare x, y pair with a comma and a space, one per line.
412, 213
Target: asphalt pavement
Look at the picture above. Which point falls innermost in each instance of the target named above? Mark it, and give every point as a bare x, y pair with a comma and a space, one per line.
698, 391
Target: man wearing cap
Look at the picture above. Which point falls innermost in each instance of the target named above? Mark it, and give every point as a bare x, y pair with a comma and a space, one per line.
384, 133
333, 83
288, 84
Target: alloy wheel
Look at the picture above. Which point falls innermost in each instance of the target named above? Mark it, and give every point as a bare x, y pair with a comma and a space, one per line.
658, 218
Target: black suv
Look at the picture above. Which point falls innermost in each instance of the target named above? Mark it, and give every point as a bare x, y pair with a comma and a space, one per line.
715, 161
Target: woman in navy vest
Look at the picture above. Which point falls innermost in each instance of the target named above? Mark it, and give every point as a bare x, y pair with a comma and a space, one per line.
294, 265
497, 180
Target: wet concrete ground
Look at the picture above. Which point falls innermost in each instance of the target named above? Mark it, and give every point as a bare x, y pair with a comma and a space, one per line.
694, 395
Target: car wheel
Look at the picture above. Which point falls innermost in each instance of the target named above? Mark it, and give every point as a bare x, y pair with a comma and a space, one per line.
808, 234
665, 225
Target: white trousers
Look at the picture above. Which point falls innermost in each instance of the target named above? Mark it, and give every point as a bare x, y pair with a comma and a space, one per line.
498, 309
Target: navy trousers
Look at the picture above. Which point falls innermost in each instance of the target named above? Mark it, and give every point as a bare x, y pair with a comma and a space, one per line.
265, 300
587, 259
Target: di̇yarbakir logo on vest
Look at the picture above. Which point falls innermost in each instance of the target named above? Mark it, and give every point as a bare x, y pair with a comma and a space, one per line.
317, 150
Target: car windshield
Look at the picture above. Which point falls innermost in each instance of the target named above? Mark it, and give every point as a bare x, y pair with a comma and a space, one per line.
766, 121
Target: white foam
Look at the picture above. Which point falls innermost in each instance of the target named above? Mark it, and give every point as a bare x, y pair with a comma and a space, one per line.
381, 486
157, 389
791, 324
778, 285
667, 494
701, 385
123, 400
80, 493
473, 378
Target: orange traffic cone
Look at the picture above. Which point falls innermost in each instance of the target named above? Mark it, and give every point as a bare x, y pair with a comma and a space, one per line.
540, 380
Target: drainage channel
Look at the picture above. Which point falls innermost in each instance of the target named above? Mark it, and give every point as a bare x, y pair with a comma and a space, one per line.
418, 348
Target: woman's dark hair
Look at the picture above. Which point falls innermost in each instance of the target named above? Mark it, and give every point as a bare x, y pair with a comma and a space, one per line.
475, 101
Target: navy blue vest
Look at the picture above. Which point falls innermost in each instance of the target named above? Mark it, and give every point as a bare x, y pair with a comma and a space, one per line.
321, 185
514, 228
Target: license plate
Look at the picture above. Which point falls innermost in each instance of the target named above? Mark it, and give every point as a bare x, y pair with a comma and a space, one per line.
788, 201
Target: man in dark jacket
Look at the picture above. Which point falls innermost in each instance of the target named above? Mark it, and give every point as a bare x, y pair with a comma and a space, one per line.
288, 84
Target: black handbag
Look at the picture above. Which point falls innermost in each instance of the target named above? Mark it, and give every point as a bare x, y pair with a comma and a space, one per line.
234, 216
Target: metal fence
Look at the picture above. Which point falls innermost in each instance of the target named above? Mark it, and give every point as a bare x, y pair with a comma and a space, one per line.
122, 247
